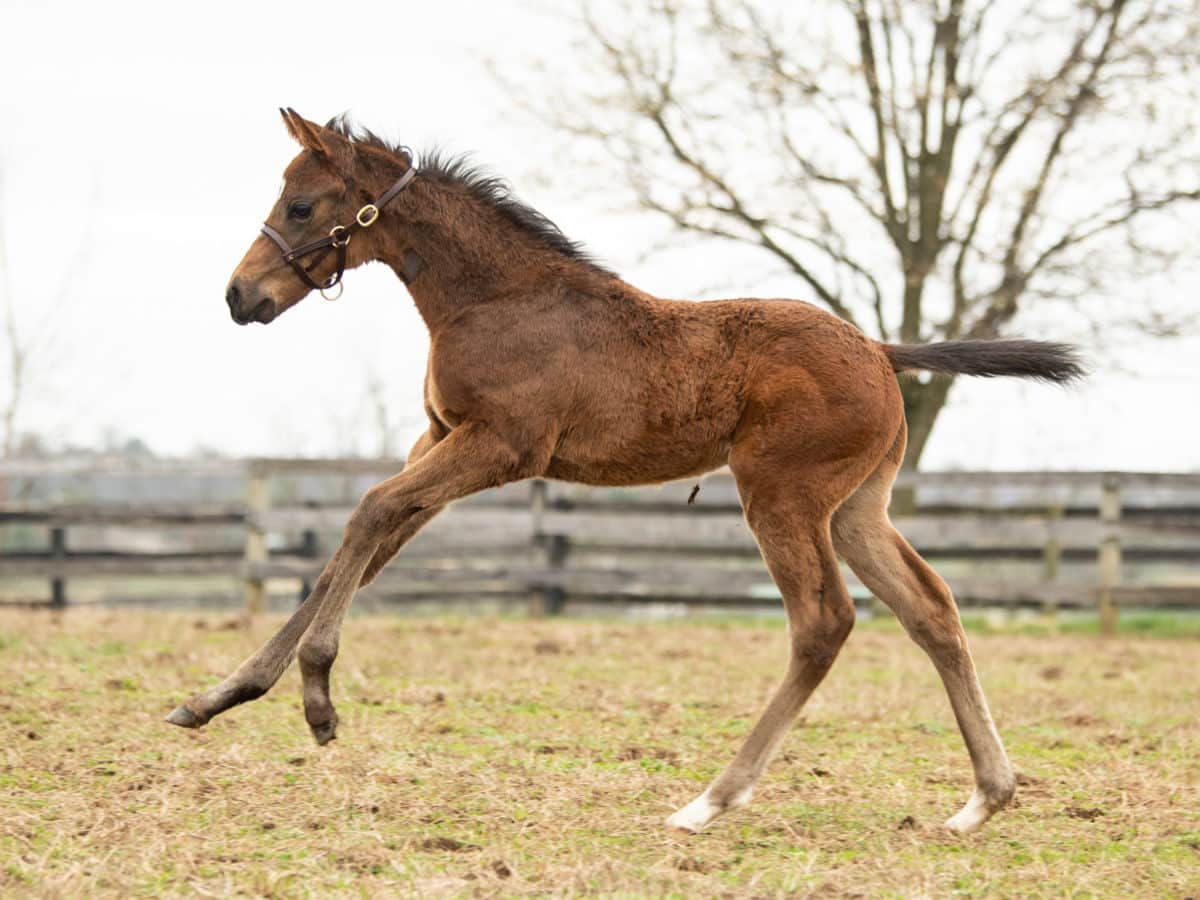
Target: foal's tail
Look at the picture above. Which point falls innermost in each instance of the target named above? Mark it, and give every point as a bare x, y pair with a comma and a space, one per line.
1043, 360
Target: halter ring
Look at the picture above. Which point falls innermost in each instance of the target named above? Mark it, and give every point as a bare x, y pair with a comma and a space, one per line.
371, 212
340, 287
334, 232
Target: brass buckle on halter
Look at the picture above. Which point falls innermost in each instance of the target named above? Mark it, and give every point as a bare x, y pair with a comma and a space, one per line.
372, 213
333, 233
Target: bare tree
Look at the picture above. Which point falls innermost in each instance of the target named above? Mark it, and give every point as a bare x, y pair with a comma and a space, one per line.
926, 168
377, 398
17, 354
36, 337
368, 426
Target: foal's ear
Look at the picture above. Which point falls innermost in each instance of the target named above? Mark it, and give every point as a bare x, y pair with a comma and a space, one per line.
328, 144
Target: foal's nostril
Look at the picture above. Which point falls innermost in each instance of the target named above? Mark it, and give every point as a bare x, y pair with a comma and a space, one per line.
233, 297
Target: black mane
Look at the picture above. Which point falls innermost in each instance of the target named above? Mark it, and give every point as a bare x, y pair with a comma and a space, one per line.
483, 185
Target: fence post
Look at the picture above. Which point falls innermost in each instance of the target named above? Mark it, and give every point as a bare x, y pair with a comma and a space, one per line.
309, 549
1052, 556
547, 554
1109, 554
257, 499
556, 556
58, 551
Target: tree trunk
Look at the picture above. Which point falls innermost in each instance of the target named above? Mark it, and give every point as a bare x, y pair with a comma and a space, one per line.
923, 401
914, 288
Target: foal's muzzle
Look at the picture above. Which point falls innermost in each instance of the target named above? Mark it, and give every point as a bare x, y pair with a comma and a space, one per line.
244, 310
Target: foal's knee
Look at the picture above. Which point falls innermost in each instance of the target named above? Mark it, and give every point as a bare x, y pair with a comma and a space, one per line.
999, 787
372, 514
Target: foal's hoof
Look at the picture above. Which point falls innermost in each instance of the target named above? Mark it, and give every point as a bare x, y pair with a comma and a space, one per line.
693, 817
977, 811
324, 733
185, 718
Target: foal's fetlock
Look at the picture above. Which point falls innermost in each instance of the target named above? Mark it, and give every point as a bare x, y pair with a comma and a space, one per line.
315, 662
1001, 792
214, 702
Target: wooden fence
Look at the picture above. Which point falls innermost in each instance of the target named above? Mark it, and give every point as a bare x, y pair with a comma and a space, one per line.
1047, 540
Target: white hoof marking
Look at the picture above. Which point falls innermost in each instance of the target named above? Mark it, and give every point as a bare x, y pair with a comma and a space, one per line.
695, 815
973, 815
702, 810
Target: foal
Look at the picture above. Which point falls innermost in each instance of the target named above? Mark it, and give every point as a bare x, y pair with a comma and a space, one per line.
544, 364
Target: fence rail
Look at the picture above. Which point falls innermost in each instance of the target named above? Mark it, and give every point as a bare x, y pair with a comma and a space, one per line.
1046, 539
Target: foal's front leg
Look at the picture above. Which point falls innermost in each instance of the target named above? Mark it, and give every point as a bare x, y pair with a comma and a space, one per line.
263, 668
473, 457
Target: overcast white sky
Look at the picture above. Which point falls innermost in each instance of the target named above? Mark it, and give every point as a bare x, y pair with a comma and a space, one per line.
140, 149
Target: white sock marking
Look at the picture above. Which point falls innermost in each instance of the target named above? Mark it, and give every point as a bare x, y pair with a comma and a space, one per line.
974, 814
702, 810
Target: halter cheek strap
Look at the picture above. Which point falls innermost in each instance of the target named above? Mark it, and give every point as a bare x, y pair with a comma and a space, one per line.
320, 247
336, 241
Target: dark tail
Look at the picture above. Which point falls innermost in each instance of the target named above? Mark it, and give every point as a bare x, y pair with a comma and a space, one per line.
1043, 360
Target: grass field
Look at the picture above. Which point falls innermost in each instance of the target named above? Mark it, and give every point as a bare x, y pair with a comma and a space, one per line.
483, 757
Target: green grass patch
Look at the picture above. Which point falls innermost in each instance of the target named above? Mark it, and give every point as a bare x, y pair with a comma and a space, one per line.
501, 756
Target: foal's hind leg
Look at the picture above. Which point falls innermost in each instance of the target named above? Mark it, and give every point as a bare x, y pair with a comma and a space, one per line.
894, 573
792, 529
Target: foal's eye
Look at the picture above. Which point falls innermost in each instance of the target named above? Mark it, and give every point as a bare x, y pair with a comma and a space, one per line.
300, 209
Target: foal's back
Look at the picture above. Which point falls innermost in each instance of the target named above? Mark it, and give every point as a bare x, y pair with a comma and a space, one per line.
659, 389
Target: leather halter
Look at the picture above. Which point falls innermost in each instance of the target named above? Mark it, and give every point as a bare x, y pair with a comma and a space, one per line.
337, 240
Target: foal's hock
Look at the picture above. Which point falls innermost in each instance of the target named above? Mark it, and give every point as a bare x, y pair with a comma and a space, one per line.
598, 382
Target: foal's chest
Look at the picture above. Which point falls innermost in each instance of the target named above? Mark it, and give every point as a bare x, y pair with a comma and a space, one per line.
440, 406
476, 373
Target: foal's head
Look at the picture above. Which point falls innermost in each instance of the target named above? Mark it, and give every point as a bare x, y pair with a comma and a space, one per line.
329, 186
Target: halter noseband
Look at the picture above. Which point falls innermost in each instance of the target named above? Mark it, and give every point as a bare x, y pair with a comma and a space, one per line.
337, 240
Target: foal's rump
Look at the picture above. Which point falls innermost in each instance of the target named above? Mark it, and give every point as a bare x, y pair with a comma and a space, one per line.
1042, 360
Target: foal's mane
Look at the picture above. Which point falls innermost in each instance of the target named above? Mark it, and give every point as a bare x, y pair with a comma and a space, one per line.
496, 192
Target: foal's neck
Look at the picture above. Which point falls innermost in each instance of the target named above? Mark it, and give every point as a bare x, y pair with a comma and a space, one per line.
470, 253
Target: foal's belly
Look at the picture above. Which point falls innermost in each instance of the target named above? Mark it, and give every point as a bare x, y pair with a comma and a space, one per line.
637, 463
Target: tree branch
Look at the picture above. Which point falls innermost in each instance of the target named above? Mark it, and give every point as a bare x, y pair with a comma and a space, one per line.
1035, 99
896, 228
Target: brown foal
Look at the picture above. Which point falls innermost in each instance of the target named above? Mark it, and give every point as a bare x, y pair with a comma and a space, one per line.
544, 364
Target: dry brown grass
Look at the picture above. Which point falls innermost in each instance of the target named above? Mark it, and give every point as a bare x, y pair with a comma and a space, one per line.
496, 757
